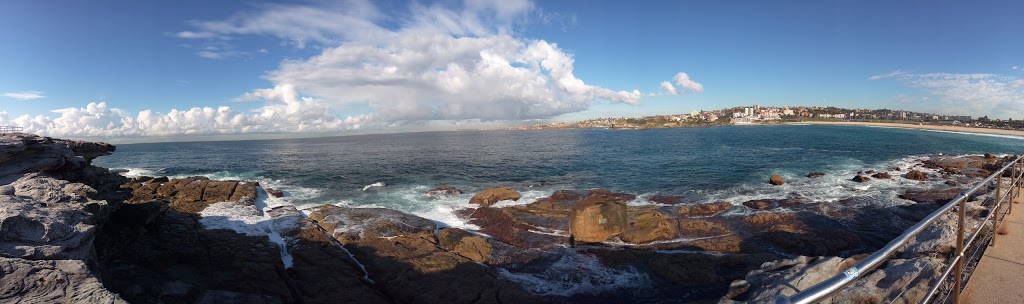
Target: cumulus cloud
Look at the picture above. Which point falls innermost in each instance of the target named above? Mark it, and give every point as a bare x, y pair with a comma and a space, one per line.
684, 81
442, 61
26, 95
97, 119
979, 93
669, 88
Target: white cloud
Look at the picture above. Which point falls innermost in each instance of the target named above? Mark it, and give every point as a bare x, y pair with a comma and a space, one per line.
26, 95
893, 74
977, 94
668, 88
289, 114
454, 62
684, 81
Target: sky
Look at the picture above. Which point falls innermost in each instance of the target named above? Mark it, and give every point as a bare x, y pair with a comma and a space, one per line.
152, 70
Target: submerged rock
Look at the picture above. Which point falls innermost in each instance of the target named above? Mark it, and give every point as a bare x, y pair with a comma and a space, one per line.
443, 191
488, 197
860, 178
815, 174
597, 218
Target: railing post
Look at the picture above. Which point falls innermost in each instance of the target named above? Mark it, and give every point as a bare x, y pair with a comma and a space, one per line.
995, 209
959, 250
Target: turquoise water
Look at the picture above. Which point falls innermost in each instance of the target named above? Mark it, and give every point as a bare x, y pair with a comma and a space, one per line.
702, 164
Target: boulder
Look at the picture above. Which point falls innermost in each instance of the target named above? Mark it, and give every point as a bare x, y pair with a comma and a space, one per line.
860, 178
815, 174
488, 197
597, 218
776, 180
989, 156
649, 226
916, 175
882, 175
443, 191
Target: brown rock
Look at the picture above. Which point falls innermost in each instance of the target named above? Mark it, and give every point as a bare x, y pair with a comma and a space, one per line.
701, 228
882, 175
776, 180
704, 209
597, 218
860, 178
466, 244
916, 175
219, 191
764, 218
649, 226
490, 196
727, 244
245, 192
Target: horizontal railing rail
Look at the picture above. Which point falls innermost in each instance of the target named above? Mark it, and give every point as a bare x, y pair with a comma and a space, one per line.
828, 287
10, 129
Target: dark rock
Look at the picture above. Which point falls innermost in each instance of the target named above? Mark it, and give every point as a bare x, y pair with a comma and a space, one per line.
764, 218
882, 175
989, 156
931, 196
667, 200
776, 180
276, 193
861, 178
816, 174
443, 191
625, 197
768, 204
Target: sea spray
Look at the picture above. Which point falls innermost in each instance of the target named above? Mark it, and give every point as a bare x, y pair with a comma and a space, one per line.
577, 273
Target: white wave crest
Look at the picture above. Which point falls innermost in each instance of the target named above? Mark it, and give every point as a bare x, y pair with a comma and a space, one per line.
577, 273
377, 184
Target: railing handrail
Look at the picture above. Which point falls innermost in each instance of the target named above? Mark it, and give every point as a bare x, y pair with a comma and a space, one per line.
11, 129
828, 287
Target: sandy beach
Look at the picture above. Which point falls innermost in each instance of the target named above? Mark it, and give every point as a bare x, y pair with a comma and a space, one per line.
917, 126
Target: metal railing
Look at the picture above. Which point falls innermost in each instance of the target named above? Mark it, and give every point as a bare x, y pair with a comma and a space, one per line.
826, 288
10, 129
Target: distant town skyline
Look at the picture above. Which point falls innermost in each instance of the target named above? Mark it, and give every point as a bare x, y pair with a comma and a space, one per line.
122, 69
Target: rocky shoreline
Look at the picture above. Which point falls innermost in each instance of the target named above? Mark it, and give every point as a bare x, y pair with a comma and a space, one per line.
72, 232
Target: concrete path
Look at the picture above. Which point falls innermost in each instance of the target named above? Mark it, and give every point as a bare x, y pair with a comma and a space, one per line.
999, 277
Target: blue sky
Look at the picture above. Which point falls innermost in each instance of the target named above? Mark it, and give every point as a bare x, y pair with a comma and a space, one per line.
145, 68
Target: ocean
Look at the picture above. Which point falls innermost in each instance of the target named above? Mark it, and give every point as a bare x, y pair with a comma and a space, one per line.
730, 163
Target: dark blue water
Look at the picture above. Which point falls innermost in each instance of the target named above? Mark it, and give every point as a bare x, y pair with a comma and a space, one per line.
729, 163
